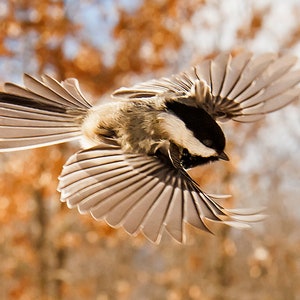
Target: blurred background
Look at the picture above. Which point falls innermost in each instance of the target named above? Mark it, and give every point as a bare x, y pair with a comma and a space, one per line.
50, 252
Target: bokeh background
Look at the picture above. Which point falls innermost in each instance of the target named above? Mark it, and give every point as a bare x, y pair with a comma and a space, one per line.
50, 252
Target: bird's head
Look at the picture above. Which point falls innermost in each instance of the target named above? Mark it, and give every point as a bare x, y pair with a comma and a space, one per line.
195, 132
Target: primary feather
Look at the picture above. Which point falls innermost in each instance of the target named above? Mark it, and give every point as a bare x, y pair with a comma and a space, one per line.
140, 192
243, 88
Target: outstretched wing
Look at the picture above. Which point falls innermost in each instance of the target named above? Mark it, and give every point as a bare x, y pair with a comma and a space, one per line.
242, 88
140, 193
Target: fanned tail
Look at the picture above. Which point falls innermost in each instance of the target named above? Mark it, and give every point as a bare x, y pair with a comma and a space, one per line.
42, 113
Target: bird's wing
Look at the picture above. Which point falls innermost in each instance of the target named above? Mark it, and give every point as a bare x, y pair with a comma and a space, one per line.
141, 193
242, 88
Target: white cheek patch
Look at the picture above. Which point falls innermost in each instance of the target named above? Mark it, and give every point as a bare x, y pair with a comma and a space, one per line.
179, 133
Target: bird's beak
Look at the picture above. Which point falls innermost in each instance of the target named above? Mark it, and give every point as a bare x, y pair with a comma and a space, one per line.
223, 156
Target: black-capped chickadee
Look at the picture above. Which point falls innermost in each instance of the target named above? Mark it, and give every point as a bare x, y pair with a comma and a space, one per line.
136, 149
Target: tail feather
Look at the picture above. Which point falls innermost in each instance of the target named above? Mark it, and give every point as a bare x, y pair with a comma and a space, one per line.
41, 113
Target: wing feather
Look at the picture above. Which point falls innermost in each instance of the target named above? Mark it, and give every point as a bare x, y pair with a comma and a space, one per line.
135, 216
154, 220
235, 68
192, 214
175, 217
218, 73
255, 67
140, 193
242, 87
202, 71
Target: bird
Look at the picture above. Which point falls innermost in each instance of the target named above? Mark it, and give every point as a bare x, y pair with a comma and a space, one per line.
136, 149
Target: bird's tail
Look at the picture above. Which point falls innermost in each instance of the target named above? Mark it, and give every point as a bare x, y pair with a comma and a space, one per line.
42, 113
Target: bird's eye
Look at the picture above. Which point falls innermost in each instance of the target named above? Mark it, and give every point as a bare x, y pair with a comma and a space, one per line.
207, 142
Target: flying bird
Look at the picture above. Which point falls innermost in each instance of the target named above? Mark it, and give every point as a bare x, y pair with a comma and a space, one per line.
137, 148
